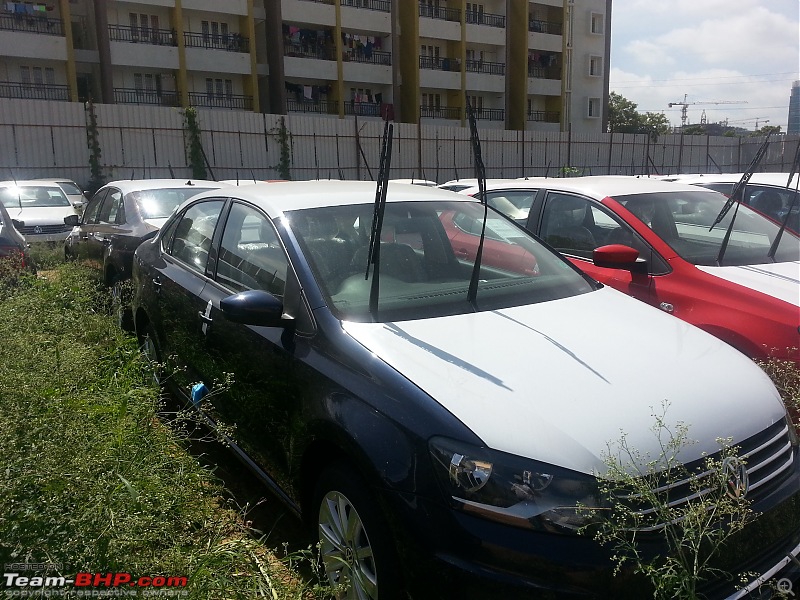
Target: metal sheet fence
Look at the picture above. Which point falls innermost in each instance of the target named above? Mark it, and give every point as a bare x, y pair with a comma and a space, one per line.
44, 138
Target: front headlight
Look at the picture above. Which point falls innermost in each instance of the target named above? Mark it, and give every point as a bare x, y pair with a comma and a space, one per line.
514, 490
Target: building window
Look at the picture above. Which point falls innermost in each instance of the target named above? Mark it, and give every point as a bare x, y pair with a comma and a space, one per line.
25, 75
598, 23
37, 76
49, 76
594, 108
432, 101
595, 66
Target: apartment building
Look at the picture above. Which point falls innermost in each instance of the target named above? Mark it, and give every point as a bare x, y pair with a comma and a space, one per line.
524, 65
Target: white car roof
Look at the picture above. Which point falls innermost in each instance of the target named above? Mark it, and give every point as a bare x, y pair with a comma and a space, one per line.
776, 179
30, 182
424, 182
135, 185
277, 198
597, 186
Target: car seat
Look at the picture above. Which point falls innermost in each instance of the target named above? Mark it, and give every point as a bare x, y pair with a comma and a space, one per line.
768, 203
565, 228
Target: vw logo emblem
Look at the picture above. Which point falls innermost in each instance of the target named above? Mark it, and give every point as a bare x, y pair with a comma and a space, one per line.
737, 482
37, 229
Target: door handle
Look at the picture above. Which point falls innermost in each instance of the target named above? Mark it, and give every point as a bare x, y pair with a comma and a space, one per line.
156, 284
204, 317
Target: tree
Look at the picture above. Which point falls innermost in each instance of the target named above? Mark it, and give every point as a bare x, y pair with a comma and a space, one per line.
765, 130
624, 118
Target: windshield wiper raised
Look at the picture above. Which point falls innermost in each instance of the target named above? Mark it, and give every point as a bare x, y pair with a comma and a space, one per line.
795, 168
480, 175
374, 252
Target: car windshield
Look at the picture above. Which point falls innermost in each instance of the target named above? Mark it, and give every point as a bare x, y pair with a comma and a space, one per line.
70, 188
33, 196
683, 220
426, 259
159, 204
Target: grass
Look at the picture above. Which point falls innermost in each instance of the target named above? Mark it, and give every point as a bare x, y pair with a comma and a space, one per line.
90, 479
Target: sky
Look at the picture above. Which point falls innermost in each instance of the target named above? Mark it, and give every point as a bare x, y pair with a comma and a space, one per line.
709, 51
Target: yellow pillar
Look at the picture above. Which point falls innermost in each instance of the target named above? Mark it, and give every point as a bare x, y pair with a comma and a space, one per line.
247, 25
408, 17
182, 76
517, 66
72, 74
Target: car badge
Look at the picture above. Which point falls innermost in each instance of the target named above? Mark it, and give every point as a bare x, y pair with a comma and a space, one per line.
737, 482
37, 229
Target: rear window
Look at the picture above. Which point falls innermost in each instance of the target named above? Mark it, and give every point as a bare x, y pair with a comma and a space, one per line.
70, 188
33, 196
159, 204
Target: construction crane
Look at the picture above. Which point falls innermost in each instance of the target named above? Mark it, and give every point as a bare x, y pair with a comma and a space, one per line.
756, 119
684, 105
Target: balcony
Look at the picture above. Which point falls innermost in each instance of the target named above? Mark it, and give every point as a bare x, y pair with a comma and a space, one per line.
379, 5
490, 114
231, 42
31, 24
323, 107
135, 96
435, 12
34, 91
536, 26
440, 112
142, 35
544, 116
544, 72
374, 57
309, 51
322, 1
364, 109
230, 101
486, 19
490, 68
439, 64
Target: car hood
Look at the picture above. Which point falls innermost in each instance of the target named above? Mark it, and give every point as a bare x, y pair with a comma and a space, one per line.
561, 381
45, 215
779, 280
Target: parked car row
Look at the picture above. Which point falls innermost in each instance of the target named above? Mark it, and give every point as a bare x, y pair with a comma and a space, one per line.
441, 432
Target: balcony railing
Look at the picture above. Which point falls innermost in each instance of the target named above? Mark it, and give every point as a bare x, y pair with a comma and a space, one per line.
142, 35
486, 19
380, 5
366, 109
440, 112
482, 66
374, 57
309, 51
33, 91
435, 12
232, 42
545, 116
544, 72
324, 107
490, 114
439, 64
550, 27
323, 1
32, 24
135, 96
230, 101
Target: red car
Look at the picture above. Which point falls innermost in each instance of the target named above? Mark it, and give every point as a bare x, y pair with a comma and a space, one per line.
654, 240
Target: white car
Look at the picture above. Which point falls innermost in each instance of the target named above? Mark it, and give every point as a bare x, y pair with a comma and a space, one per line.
42, 207
72, 190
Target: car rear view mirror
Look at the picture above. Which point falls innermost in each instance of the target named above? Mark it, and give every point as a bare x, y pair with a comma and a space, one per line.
71, 220
254, 307
618, 256
17, 224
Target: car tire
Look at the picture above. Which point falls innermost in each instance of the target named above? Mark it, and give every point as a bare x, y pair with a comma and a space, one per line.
121, 306
148, 346
355, 548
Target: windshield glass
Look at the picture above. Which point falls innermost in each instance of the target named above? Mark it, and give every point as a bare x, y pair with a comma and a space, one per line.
70, 188
683, 220
427, 255
33, 196
159, 204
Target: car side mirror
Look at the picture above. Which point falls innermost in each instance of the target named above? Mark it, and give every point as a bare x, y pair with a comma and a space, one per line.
71, 220
618, 256
254, 307
17, 224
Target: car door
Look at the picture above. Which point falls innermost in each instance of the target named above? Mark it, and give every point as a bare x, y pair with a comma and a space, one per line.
263, 401
88, 226
100, 237
576, 226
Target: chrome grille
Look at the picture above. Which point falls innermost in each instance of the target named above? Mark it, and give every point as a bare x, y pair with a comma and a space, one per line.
44, 229
768, 457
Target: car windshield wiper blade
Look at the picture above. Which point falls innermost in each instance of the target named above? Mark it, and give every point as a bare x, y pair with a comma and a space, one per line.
736, 197
795, 168
480, 175
374, 252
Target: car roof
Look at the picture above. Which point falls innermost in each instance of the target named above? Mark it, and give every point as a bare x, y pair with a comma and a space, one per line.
136, 185
30, 183
596, 186
776, 179
277, 198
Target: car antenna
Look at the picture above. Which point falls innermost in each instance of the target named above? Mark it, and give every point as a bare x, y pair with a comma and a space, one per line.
171, 172
252, 176
795, 168
19, 194
736, 198
480, 175
374, 252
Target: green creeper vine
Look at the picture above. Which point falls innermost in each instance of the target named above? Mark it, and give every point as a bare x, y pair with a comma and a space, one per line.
284, 137
196, 156
93, 142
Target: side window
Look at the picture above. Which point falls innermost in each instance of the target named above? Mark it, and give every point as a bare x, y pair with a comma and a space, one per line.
93, 208
566, 224
111, 206
166, 234
514, 204
194, 233
251, 256
120, 218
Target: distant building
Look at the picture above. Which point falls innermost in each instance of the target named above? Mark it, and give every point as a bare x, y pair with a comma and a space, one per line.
794, 109
539, 65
